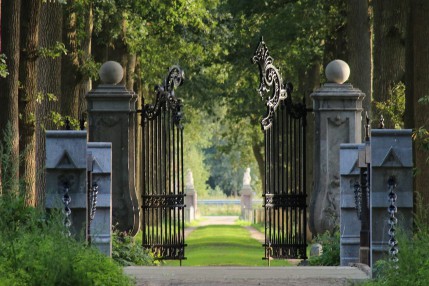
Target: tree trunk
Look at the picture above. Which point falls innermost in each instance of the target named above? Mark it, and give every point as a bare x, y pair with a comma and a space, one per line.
27, 96
310, 83
85, 84
49, 81
420, 86
390, 18
70, 75
131, 67
359, 48
9, 114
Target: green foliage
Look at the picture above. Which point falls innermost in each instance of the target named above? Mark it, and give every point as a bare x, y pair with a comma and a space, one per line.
127, 251
331, 249
34, 246
219, 210
53, 52
3, 66
393, 109
413, 264
89, 68
35, 250
8, 165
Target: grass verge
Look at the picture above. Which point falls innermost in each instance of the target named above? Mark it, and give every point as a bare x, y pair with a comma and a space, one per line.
224, 245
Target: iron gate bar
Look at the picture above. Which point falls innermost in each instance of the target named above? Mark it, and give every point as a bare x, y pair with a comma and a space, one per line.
162, 171
284, 127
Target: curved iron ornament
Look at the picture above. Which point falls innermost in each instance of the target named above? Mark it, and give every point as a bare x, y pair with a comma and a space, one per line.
269, 76
165, 95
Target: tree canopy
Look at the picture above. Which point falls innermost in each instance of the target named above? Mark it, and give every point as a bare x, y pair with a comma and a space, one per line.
213, 41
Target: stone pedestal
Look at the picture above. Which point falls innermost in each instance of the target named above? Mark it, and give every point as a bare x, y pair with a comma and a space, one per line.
112, 118
101, 225
350, 225
391, 158
337, 109
190, 198
66, 165
246, 203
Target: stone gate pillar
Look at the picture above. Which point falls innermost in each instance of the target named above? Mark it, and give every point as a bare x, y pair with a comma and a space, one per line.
112, 118
337, 108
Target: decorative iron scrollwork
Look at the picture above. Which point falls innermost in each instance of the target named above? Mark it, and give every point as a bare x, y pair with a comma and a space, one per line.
269, 75
171, 252
284, 201
165, 96
156, 201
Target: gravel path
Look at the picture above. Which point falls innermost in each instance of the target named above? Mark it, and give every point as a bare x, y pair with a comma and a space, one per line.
247, 276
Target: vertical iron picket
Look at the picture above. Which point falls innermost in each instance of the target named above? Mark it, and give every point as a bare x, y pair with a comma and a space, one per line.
162, 172
284, 188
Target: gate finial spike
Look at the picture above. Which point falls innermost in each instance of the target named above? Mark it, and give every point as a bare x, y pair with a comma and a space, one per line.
367, 126
381, 126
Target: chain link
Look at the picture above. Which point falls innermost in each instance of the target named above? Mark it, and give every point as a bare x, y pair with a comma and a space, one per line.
392, 221
67, 210
93, 200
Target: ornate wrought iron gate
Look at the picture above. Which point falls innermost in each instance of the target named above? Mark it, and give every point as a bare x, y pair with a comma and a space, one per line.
285, 157
162, 171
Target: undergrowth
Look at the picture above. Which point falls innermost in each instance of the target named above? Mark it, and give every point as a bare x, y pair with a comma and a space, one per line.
35, 248
412, 267
331, 249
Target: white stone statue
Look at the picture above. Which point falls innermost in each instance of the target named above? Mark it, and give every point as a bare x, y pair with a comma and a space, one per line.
189, 180
246, 177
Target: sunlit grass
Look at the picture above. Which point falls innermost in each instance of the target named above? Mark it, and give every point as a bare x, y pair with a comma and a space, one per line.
224, 245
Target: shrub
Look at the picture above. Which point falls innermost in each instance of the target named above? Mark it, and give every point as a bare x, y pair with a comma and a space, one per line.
35, 250
34, 246
412, 267
128, 251
331, 250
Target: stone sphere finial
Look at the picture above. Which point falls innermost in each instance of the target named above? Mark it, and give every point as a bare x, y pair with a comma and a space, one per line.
111, 72
337, 71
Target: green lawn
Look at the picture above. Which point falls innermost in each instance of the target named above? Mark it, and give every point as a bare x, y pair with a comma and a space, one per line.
218, 245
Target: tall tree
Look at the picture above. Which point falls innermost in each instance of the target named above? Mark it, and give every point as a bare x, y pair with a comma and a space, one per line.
417, 86
49, 85
359, 46
70, 76
10, 24
28, 94
390, 20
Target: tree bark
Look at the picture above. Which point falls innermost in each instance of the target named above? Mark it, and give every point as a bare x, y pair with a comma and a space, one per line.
390, 18
70, 75
9, 114
49, 81
85, 84
360, 48
419, 86
27, 96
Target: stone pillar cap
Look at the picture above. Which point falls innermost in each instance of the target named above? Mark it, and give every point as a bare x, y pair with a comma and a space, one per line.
337, 71
111, 72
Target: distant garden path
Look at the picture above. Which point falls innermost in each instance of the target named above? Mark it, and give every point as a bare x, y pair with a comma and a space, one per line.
225, 220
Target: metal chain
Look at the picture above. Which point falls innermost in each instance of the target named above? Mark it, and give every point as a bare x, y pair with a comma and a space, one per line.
93, 200
358, 199
67, 210
392, 209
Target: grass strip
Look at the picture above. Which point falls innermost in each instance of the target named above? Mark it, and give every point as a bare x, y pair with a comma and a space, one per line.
224, 245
